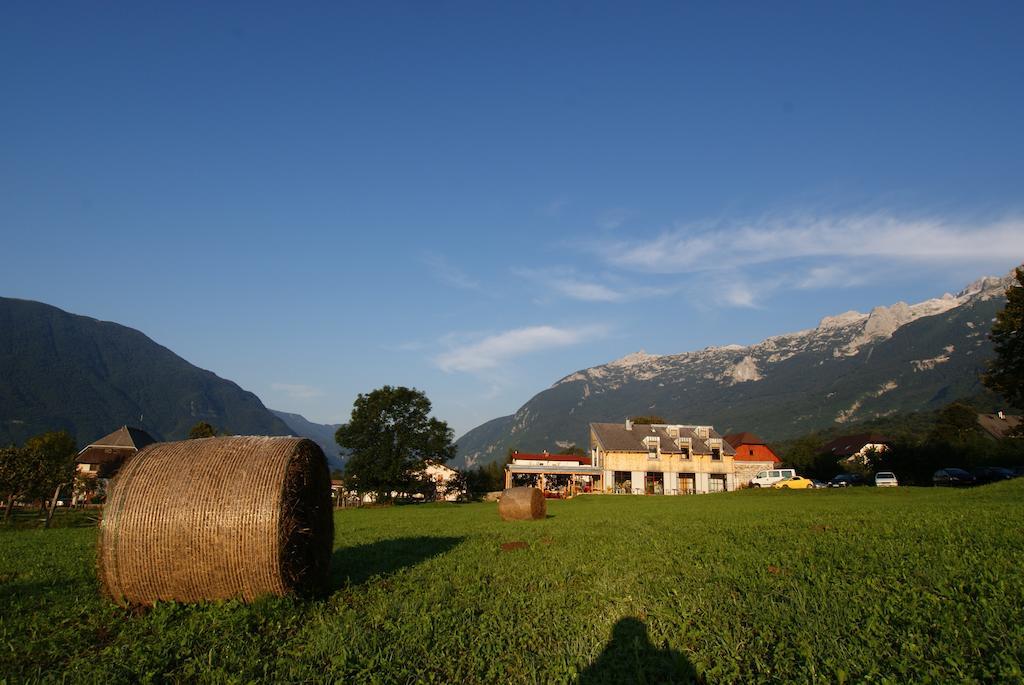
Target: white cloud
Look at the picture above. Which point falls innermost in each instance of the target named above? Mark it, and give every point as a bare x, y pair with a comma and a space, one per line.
590, 292
492, 351
565, 283
446, 272
880, 237
738, 294
297, 391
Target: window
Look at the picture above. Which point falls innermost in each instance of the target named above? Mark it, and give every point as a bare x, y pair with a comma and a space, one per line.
751, 450
94, 467
716, 454
686, 453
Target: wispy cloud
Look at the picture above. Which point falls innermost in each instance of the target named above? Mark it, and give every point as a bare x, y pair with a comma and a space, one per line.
554, 207
448, 273
494, 350
611, 219
738, 294
884, 237
297, 391
564, 282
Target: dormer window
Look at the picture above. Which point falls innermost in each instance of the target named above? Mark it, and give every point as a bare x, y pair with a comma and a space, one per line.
686, 453
716, 454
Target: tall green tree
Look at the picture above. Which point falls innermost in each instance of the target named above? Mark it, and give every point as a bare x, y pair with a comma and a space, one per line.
202, 430
1006, 370
52, 456
15, 472
391, 436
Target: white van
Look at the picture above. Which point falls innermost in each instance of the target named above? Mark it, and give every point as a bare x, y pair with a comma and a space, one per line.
765, 479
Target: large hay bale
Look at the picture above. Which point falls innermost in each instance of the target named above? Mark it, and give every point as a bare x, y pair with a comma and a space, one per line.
522, 504
218, 518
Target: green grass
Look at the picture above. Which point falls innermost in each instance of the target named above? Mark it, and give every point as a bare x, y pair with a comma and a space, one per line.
861, 585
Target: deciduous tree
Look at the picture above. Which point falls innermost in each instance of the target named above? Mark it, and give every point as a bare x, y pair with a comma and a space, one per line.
202, 430
647, 420
391, 435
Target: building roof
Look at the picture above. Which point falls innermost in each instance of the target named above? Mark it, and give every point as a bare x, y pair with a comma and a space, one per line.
551, 457
848, 445
737, 439
122, 443
615, 437
999, 426
756, 453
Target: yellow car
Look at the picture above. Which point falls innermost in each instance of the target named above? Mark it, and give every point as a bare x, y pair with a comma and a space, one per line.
794, 483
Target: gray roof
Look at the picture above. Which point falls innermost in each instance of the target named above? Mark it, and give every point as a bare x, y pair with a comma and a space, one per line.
615, 437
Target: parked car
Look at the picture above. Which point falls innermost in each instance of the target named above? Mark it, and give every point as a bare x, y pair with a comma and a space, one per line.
794, 483
952, 478
886, 479
818, 484
765, 479
846, 480
992, 474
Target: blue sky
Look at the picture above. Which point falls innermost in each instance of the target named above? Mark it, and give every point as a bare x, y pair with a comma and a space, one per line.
477, 199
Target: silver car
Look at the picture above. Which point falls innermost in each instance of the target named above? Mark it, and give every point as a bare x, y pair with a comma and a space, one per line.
886, 479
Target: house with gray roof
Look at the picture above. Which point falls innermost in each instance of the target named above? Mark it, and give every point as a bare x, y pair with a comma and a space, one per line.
661, 459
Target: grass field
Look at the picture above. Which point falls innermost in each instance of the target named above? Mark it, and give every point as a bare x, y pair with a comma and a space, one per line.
872, 585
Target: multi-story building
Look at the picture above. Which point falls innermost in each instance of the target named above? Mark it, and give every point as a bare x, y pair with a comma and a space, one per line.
661, 459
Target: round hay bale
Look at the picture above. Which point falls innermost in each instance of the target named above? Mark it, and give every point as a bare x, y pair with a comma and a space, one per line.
218, 518
522, 504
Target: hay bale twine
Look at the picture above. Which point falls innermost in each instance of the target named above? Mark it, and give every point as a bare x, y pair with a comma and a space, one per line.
522, 504
218, 518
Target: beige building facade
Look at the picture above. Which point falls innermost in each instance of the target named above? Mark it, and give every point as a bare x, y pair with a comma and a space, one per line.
661, 459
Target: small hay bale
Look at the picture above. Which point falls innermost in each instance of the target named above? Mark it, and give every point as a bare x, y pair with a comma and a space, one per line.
522, 504
218, 518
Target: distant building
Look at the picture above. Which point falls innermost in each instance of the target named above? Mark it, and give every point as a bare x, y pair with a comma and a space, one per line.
441, 475
856, 447
999, 425
661, 459
105, 457
752, 455
558, 474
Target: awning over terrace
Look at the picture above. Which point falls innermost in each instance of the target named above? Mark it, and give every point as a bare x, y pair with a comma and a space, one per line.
554, 477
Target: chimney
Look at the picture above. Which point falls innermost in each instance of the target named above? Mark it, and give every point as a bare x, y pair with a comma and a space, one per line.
629, 425
1002, 415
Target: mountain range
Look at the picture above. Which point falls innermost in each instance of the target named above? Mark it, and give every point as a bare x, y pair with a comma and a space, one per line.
62, 371
850, 367
320, 433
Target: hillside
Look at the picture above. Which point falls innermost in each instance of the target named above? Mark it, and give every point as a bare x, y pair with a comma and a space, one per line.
64, 371
320, 433
851, 367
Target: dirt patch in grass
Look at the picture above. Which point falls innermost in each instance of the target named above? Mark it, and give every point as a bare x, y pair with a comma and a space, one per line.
513, 546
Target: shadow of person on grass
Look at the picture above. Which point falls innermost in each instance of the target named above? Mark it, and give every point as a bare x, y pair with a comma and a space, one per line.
629, 657
356, 565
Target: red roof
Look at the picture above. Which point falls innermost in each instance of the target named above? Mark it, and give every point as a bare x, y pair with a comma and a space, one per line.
756, 453
583, 461
737, 439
